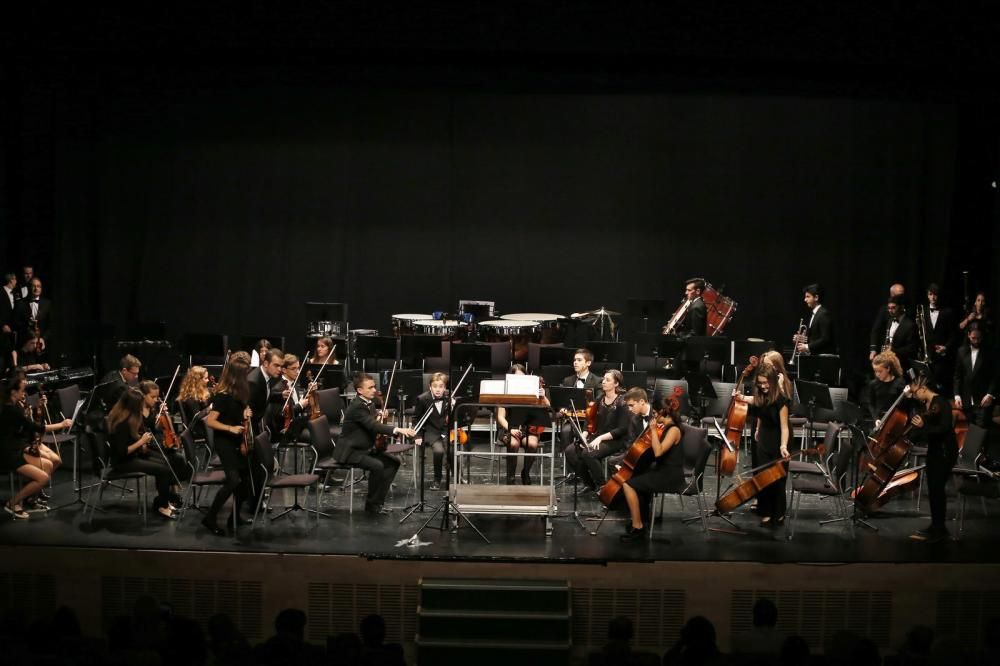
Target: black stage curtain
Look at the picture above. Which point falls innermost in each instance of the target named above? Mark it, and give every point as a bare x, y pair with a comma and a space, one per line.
226, 208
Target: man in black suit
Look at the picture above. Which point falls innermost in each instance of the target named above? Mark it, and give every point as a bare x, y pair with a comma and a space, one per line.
31, 311
11, 295
941, 333
24, 286
583, 378
877, 336
695, 321
820, 327
901, 332
117, 381
977, 379
357, 440
262, 379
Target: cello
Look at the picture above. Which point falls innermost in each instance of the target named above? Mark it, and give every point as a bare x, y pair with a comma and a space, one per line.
888, 448
761, 477
736, 419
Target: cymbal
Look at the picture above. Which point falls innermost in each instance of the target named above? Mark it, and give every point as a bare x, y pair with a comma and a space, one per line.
599, 312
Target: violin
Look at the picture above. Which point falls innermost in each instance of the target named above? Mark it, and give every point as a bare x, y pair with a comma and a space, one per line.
736, 419
246, 444
592, 417
637, 460
762, 477
166, 424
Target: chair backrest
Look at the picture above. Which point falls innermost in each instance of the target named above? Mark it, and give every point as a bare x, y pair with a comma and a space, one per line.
831, 439
534, 354
696, 448
665, 387
635, 378
500, 357
718, 405
330, 404
319, 436
263, 450
553, 375
842, 464
973, 444
98, 444
68, 396
187, 441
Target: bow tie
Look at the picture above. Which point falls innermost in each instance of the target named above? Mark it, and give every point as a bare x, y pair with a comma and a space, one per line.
933, 309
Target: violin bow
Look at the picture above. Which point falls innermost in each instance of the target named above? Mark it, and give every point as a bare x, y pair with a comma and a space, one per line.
298, 374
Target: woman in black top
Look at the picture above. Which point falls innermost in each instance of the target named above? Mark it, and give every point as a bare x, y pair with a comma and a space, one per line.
935, 428
610, 437
887, 385
229, 411
132, 448
151, 406
770, 407
17, 433
521, 426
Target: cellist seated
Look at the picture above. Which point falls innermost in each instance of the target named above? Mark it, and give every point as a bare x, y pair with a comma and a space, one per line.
667, 471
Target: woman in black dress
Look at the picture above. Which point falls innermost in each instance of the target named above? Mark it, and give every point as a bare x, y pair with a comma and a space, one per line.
226, 417
770, 407
133, 449
17, 432
667, 471
610, 436
521, 427
934, 428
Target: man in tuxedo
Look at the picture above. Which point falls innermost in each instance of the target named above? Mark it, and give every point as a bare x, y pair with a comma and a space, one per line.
820, 327
877, 336
31, 311
262, 379
11, 295
583, 378
695, 321
941, 333
901, 332
117, 381
357, 442
977, 379
24, 286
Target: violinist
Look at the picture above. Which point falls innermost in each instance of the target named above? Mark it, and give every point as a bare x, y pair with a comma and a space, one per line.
521, 427
151, 409
194, 395
583, 378
284, 394
324, 349
261, 380
132, 449
434, 432
882, 391
934, 428
357, 441
229, 417
667, 471
769, 405
609, 438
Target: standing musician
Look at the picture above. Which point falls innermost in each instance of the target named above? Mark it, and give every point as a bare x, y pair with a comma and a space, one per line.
34, 311
900, 333
882, 391
357, 440
521, 426
695, 321
262, 347
324, 348
11, 295
131, 446
583, 378
667, 471
980, 315
770, 407
877, 336
940, 331
261, 380
977, 379
819, 338
612, 428
434, 432
228, 418
17, 433
935, 429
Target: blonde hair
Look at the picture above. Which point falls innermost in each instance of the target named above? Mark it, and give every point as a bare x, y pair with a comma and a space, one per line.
888, 359
438, 377
193, 385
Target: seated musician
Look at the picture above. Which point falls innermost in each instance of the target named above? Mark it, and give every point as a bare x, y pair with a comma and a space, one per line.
324, 349
17, 433
434, 432
583, 378
521, 426
30, 358
770, 407
151, 409
934, 427
609, 439
116, 381
194, 395
357, 442
667, 471
882, 391
288, 403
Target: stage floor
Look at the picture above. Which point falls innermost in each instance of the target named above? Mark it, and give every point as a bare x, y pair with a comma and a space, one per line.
516, 538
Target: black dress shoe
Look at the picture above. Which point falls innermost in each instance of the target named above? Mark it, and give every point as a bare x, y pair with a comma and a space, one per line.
525, 479
212, 527
633, 534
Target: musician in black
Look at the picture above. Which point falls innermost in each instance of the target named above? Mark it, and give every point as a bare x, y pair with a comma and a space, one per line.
876, 339
33, 312
116, 381
979, 315
820, 325
261, 380
357, 442
17, 432
977, 379
172, 456
695, 322
30, 358
583, 378
900, 332
882, 391
940, 331
11, 295
933, 427
227, 417
521, 427
288, 399
770, 408
666, 474
434, 432
610, 437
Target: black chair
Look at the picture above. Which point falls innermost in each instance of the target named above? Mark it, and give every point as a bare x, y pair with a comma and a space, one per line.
199, 480
696, 450
976, 481
825, 483
331, 405
265, 458
100, 455
830, 445
325, 463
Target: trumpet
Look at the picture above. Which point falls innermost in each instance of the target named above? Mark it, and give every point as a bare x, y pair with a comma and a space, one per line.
887, 344
801, 337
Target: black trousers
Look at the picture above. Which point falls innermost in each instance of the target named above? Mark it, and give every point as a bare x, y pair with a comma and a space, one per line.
588, 463
155, 468
436, 440
237, 483
939, 465
381, 468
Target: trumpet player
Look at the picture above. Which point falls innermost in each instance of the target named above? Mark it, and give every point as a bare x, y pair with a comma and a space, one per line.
816, 337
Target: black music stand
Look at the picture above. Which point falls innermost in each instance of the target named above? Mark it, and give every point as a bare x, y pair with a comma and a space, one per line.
464, 353
552, 375
555, 356
202, 346
669, 347
608, 353
415, 348
700, 392
318, 311
333, 376
378, 347
812, 395
706, 348
822, 368
408, 385
645, 309
635, 378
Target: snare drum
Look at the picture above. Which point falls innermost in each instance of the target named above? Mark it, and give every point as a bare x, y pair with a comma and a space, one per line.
518, 332
719, 310
550, 329
402, 324
449, 329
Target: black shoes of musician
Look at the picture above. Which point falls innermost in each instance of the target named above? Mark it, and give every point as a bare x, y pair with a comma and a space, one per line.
634, 534
16, 512
240, 520
511, 480
166, 513
525, 478
44, 496
377, 509
208, 522
767, 521
932, 534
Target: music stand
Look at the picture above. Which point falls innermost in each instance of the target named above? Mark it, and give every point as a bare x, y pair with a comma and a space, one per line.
333, 376
634, 378
480, 310
553, 375
205, 346
705, 348
317, 311
408, 385
378, 347
744, 349
607, 352
464, 353
555, 356
813, 395
568, 398
822, 368
646, 309
415, 348
701, 388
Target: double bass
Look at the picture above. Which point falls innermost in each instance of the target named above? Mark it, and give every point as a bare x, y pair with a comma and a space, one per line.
736, 419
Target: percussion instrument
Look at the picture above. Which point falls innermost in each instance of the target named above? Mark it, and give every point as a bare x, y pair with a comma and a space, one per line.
518, 332
719, 310
449, 329
402, 324
550, 329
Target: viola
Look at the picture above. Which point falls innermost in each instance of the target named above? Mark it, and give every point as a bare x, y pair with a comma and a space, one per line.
637, 460
463, 437
382, 441
592, 417
736, 419
166, 425
766, 475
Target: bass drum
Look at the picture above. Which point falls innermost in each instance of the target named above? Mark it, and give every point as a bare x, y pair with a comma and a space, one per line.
402, 324
448, 329
550, 329
518, 332
719, 310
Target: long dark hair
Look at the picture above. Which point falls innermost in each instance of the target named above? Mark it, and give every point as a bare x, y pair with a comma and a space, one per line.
128, 408
234, 378
9, 385
767, 371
